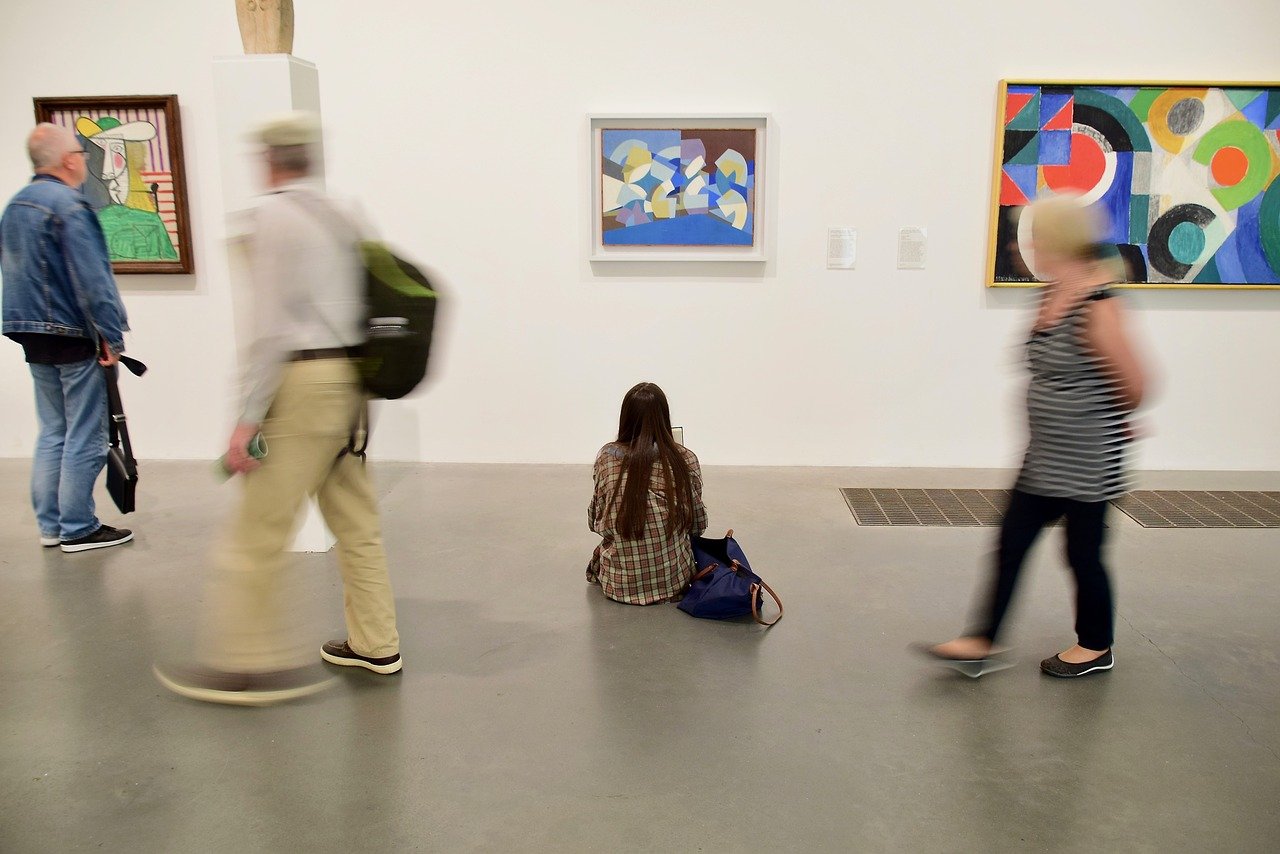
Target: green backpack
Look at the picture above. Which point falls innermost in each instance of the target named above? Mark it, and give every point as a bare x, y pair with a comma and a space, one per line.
402, 313
401, 307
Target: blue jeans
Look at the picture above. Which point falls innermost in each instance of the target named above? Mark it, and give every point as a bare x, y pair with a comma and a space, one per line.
71, 405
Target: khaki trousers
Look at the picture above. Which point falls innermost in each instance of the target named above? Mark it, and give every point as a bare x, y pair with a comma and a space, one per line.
253, 609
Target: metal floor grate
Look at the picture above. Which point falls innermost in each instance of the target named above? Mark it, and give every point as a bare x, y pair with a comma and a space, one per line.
1171, 508
947, 508
957, 508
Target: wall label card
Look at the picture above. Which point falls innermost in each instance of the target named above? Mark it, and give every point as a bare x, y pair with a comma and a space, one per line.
912, 247
842, 248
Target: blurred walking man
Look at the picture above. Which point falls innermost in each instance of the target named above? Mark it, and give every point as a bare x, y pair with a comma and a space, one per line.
303, 395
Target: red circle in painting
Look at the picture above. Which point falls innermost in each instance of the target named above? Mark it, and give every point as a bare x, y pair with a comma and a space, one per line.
1087, 166
1229, 165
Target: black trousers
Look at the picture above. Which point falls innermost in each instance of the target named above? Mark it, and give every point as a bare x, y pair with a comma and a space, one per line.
1025, 518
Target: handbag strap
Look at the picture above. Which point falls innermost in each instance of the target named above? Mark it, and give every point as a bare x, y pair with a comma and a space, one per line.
711, 567
755, 611
118, 429
704, 572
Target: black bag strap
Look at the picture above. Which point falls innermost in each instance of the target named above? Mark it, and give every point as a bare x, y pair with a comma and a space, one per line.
117, 426
135, 367
360, 432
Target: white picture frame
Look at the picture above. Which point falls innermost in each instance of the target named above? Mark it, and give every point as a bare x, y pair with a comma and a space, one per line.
760, 219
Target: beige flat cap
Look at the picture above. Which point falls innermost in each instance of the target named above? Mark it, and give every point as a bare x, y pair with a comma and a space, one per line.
296, 128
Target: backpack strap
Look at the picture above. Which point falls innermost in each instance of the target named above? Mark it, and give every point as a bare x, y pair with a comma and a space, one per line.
321, 209
358, 441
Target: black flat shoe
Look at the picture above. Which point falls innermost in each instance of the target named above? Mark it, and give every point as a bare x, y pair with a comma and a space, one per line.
971, 667
1065, 670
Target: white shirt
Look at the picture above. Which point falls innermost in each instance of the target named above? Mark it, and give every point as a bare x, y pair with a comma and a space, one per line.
307, 285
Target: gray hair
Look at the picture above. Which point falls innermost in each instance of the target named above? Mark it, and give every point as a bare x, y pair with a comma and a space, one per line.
48, 144
290, 158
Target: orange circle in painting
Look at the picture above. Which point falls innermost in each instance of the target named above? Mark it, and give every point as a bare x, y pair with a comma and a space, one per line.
1229, 166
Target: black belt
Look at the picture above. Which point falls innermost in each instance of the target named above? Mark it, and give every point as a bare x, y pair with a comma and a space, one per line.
326, 353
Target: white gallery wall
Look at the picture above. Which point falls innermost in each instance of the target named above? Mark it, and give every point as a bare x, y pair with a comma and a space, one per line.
463, 130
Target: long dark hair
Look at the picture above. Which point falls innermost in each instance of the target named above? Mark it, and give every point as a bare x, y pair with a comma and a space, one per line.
644, 432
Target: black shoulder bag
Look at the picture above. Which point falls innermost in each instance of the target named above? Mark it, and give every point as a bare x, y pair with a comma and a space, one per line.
122, 468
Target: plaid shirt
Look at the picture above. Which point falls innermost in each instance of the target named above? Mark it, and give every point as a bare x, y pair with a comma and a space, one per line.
656, 567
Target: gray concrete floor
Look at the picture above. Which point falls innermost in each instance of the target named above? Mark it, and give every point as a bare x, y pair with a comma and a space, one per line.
533, 715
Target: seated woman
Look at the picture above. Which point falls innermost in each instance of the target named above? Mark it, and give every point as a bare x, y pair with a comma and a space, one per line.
647, 501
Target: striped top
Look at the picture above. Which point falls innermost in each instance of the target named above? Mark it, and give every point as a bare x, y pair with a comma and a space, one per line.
1077, 421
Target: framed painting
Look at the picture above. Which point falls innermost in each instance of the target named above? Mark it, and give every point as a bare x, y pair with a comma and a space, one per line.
136, 182
1185, 173
678, 187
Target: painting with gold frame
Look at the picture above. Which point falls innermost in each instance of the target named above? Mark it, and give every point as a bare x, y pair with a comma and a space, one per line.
1185, 173
135, 182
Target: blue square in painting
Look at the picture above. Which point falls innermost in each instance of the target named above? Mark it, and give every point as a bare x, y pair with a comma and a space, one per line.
1055, 147
1051, 103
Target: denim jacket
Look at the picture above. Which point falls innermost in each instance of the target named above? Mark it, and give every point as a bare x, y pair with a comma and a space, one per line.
56, 270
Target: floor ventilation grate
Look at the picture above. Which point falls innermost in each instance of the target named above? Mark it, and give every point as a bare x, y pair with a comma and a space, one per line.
947, 508
967, 508
1172, 508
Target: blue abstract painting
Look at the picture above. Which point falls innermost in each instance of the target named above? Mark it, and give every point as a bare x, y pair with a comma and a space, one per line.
678, 187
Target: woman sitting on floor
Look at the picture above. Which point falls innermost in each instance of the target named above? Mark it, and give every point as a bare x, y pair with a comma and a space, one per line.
647, 501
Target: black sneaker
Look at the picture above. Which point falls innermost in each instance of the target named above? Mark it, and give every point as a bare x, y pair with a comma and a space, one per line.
103, 538
338, 652
242, 689
1065, 670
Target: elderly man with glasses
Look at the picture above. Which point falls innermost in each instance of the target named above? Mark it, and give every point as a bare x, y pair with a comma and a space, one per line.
62, 305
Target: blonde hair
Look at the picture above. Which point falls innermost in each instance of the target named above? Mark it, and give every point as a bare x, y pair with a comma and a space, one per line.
1066, 226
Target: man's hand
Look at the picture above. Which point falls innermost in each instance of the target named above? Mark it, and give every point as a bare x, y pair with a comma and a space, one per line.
238, 459
105, 357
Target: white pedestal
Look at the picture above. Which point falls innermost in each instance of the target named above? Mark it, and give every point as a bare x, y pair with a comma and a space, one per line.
248, 91
313, 536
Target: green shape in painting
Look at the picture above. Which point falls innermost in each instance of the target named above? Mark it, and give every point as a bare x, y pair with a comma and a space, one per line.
1269, 226
1247, 138
1209, 275
134, 235
1030, 153
1186, 242
1028, 118
1242, 97
1139, 213
1118, 110
1141, 103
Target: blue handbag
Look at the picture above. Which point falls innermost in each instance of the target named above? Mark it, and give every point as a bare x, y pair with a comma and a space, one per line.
724, 586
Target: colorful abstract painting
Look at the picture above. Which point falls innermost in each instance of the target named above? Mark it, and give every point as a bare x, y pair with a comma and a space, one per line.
1186, 175
678, 187
134, 177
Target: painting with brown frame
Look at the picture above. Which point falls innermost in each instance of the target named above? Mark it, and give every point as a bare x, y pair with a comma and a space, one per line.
136, 183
